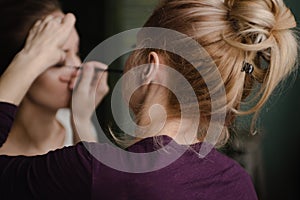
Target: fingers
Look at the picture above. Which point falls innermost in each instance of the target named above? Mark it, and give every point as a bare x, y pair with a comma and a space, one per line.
47, 38
99, 84
99, 75
90, 87
74, 79
86, 79
101, 87
42, 25
63, 25
91, 80
33, 30
68, 22
38, 22
38, 27
69, 19
98, 65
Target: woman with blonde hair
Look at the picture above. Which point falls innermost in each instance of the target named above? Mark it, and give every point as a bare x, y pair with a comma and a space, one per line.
251, 43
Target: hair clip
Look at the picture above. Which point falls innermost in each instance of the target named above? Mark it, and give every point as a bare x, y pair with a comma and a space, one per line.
247, 68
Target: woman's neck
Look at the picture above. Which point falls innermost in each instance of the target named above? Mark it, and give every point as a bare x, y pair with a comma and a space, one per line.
183, 131
35, 130
154, 121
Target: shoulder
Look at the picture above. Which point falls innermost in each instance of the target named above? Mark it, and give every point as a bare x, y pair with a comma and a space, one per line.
234, 181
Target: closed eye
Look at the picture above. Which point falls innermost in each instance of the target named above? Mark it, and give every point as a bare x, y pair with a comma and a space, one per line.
61, 64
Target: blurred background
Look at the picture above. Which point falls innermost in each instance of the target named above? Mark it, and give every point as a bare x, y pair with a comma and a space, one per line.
270, 157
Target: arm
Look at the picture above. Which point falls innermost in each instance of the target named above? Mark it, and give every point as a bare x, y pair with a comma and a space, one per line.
59, 174
17, 73
83, 131
42, 50
62, 173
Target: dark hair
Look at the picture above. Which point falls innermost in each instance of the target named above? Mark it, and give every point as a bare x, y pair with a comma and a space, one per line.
16, 19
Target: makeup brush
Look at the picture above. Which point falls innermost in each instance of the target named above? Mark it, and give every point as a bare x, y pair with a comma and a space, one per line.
117, 71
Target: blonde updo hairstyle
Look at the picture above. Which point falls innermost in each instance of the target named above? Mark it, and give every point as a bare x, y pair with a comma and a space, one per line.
258, 32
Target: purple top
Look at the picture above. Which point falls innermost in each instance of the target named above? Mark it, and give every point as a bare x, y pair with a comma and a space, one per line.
74, 172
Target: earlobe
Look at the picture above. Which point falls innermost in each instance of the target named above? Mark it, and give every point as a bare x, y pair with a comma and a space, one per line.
150, 71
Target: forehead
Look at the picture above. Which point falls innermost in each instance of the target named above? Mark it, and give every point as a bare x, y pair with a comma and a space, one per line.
73, 40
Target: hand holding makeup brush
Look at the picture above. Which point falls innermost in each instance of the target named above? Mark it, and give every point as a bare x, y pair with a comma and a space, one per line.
89, 88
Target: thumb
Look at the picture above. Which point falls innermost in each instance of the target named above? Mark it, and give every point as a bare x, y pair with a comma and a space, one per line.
68, 23
69, 20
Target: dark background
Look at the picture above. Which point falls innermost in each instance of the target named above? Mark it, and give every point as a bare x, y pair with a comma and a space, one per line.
271, 157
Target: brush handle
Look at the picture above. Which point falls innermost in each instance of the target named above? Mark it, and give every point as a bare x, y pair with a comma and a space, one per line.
118, 71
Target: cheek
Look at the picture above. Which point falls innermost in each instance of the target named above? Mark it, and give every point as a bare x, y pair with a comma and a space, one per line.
49, 90
48, 82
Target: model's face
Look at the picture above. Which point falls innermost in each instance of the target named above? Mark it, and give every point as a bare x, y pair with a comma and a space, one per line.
51, 88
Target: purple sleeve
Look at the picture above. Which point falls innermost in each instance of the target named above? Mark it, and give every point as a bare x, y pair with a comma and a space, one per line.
64, 173
243, 188
7, 115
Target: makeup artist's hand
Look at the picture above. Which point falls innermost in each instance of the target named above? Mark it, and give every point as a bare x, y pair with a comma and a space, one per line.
46, 39
89, 88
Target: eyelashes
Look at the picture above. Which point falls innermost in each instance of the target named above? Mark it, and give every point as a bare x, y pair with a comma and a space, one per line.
59, 65
64, 63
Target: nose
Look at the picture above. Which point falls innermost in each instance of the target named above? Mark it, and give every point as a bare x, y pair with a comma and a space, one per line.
71, 62
72, 59
67, 74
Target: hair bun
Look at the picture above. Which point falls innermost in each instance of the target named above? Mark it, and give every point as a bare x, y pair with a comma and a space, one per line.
261, 15
284, 17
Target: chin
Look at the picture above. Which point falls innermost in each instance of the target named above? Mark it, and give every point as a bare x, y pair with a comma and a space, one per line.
67, 105
62, 104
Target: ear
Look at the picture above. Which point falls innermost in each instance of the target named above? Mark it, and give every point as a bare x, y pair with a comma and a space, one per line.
151, 71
